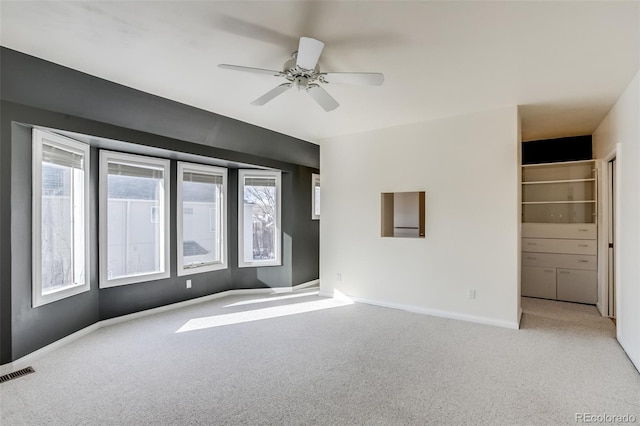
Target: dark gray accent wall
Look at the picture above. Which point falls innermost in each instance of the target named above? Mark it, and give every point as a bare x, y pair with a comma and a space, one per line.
305, 255
36, 327
142, 124
5, 234
31, 81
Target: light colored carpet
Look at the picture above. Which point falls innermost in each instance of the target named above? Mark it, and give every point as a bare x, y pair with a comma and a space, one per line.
302, 359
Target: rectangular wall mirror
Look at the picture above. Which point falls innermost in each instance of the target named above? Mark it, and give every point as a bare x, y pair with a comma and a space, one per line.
403, 214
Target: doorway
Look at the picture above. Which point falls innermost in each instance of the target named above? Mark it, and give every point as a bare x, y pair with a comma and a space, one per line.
611, 230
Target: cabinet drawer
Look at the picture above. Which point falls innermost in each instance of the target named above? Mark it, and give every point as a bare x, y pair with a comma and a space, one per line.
539, 282
554, 245
576, 231
577, 286
567, 261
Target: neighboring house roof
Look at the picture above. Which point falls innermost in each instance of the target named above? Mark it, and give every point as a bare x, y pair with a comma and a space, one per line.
192, 248
197, 192
128, 188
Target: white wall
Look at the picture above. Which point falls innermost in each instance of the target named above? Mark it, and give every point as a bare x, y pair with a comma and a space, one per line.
622, 125
469, 167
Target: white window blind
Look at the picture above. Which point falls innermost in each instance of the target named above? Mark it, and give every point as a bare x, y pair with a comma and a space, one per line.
61, 157
259, 181
134, 170
202, 178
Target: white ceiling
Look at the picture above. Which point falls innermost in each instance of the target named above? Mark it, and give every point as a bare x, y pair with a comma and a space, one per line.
565, 63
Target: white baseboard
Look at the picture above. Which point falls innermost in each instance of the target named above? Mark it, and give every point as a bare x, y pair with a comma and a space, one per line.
29, 358
440, 313
433, 312
519, 318
632, 356
307, 284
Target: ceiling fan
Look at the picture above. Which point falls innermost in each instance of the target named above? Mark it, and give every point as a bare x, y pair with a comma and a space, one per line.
302, 72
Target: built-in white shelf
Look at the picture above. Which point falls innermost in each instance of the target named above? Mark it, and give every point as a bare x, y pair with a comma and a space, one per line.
559, 230
560, 202
558, 181
563, 163
562, 192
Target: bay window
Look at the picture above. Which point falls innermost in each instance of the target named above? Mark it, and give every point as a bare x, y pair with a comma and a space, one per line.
201, 218
134, 218
259, 232
60, 215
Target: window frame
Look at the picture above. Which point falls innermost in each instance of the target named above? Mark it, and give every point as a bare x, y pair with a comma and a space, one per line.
66, 144
207, 267
315, 182
277, 175
143, 161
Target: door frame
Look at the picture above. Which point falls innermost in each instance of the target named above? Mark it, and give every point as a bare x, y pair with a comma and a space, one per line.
603, 228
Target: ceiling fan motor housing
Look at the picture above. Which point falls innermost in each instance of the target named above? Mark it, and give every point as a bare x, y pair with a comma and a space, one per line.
300, 77
301, 82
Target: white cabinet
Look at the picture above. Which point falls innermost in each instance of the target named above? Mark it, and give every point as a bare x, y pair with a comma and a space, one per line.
556, 245
539, 282
559, 260
581, 231
577, 286
559, 232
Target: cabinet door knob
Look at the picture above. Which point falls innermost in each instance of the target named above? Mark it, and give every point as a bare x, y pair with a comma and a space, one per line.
583, 261
583, 245
582, 230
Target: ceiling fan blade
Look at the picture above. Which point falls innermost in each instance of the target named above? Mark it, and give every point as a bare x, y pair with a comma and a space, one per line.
277, 91
357, 78
250, 69
324, 99
309, 51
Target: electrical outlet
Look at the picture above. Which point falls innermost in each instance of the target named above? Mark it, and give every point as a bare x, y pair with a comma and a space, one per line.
471, 293
188, 283
339, 276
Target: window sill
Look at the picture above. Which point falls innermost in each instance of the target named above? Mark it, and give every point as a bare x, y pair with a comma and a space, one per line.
201, 269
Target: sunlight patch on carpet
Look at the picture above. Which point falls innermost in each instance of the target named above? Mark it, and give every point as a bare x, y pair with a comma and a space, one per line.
261, 314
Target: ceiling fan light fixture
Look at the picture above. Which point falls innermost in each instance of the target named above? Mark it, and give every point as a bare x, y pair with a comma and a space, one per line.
302, 72
301, 82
